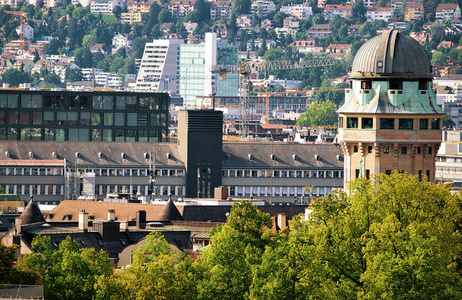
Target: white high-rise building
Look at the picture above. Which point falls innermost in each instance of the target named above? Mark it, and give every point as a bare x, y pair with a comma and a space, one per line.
159, 69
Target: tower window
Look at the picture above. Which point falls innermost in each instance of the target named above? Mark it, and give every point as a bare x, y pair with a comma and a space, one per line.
406, 123
367, 123
355, 148
340, 122
369, 149
366, 85
423, 84
387, 172
435, 125
429, 150
387, 123
419, 150
386, 149
396, 85
352, 122
403, 150
423, 124
368, 173
357, 173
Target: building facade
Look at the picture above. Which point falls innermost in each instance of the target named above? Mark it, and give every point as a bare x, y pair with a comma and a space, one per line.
197, 62
390, 120
159, 68
83, 116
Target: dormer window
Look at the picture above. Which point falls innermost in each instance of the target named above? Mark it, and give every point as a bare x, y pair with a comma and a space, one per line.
423, 85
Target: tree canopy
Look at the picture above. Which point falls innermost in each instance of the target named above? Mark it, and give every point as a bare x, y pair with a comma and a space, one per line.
319, 114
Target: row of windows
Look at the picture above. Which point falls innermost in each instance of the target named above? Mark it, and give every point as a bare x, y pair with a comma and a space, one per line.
387, 172
64, 101
98, 172
277, 191
389, 123
162, 190
83, 134
83, 118
33, 189
283, 173
392, 84
386, 149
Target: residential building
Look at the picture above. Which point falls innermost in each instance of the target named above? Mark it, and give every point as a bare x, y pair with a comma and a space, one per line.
219, 29
61, 68
339, 48
379, 13
245, 21
190, 27
159, 68
259, 42
447, 12
105, 7
27, 30
344, 11
308, 46
143, 6
398, 129
396, 4
413, 11
354, 29
299, 11
220, 9
262, 7
120, 40
25, 64
133, 17
422, 37
180, 8
291, 22
196, 65
369, 3
320, 30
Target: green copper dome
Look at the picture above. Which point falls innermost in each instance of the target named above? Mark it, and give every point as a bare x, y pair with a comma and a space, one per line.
391, 55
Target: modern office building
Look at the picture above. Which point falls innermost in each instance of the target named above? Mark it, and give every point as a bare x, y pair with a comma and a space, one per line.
63, 115
197, 63
390, 120
159, 68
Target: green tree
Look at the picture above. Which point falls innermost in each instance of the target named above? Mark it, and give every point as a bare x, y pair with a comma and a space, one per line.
69, 272
73, 75
15, 77
439, 59
52, 78
164, 16
319, 114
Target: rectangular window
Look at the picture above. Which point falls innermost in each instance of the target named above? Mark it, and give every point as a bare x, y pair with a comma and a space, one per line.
368, 173
357, 173
96, 134
24, 118
396, 85
108, 119
406, 124
37, 118
423, 85
369, 149
119, 135
419, 150
103, 102
31, 101
423, 124
387, 123
85, 118
387, 172
403, 150
340, 122
95, 119
352, 122
355, 148
119, 119
48, 118
430, 150
435, 124
13, 118
367, 123
366, 85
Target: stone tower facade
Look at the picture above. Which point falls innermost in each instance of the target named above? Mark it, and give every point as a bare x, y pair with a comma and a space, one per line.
390, 120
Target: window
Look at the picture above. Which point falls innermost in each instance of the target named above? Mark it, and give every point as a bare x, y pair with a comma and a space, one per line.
355, 148
406, 124
357, 173
396, 85
429, 150
352, 122
419, 150
423, 124
368, 173
367, 123
369, 149
423, 84
435, 124
340, 122
387, 172
403, 150
366, 85
387, 123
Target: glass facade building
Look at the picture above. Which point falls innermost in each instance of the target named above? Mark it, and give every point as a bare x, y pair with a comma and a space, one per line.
83, 116
196, 64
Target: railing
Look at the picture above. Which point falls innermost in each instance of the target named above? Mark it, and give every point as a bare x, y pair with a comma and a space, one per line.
18, 291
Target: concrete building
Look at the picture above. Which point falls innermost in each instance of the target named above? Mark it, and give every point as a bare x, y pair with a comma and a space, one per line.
414, 11
262, 7
447, 12
344, 11
299, 11
196, 65
390, 120
379, 13
159, 68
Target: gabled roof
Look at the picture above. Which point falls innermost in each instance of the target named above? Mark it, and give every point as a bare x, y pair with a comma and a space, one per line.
414, 5
442, 7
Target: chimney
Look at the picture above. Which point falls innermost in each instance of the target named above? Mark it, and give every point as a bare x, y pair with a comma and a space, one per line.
221, 193
111, 215
83, 220
141, 219
282, 221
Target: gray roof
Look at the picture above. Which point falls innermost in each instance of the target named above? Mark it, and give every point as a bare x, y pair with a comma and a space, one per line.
88, 152
400, 56
311, 156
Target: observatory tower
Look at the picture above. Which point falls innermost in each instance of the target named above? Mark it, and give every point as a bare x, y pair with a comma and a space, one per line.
390, 120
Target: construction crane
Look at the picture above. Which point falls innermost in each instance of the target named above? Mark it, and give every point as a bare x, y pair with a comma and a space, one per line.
246, 69
297, 91
21, 24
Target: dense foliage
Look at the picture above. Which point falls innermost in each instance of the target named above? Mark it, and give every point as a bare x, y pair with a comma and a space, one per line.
392, 237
